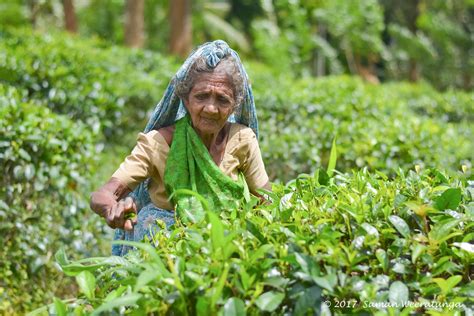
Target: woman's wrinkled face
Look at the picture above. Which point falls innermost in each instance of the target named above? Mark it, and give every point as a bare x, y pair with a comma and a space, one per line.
210, 102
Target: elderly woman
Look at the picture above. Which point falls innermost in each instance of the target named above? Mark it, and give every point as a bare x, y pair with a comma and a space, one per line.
202, 137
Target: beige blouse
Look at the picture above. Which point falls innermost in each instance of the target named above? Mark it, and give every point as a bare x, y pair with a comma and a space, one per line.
148, 160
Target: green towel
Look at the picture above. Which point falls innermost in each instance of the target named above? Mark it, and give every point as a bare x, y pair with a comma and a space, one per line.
189, 166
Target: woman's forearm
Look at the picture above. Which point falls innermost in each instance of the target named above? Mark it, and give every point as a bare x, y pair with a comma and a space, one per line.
107, 196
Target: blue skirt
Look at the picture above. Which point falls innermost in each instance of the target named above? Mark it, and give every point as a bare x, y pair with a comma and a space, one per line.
146, 226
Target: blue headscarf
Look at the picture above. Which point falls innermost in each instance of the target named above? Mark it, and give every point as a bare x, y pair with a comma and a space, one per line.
171, 108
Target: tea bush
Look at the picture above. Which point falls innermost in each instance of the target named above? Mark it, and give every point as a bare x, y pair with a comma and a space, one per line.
352, 243
380, 127
45, 159
109, 88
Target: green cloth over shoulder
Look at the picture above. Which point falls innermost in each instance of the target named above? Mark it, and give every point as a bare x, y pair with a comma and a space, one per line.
190, 169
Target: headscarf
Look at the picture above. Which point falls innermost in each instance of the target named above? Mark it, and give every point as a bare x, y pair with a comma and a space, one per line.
171, 108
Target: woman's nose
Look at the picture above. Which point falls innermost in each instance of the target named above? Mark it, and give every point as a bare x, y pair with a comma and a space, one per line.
211, 106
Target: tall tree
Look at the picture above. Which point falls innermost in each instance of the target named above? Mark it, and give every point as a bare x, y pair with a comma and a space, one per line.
70, 16
134, 23
181, 27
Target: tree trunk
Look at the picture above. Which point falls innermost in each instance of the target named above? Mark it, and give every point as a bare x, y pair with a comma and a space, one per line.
34, 10
365, 72
321, 59
134, 23
70, 16
180, 25
413, 71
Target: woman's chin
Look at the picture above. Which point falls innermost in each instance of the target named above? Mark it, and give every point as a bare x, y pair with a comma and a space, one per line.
207, 127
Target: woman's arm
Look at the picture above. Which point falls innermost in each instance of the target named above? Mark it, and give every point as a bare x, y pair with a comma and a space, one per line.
108, 202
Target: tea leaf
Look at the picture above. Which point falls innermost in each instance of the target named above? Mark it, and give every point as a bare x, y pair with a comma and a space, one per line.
332, 158
125, 300
217, 231
447, 285
61, 257
86, 282
309, 303
418, 249
327, 282
400, 225
234, 307
269, 301
450, 199
382, 258
398, 293
60, 307
465, 246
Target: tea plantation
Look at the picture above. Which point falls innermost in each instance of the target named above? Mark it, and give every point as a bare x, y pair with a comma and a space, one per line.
371, 211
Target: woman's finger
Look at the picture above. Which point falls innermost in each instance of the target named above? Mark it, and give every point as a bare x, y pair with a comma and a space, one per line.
119, 218
131, 210
128, 203
128, 225
110, 216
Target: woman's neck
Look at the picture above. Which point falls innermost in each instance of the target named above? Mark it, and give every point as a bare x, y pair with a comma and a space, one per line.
216, 140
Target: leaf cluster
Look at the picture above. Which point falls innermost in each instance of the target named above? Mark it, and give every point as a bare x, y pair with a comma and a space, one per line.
355, 237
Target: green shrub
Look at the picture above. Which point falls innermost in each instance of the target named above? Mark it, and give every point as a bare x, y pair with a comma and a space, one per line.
109, 88
359, 239
380, 127
45, 161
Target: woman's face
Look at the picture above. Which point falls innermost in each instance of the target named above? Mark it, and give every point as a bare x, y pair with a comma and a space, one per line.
210, 102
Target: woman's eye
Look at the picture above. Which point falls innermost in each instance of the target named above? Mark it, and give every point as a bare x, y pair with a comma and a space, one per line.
201, 97
223, 100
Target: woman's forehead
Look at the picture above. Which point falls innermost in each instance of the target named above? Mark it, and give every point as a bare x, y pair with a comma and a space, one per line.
216, 79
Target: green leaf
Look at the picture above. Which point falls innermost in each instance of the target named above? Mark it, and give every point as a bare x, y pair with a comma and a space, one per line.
332, 158
217, 231
418, 249
269, 301
400, 225
327, 282
219, 286
60, 307
441, 231
61, 257
233, 307
309, 303
398, 293
450, 199
86, 282
447, 285
383, 258
126, 300
202, 306
371, 230
465, 246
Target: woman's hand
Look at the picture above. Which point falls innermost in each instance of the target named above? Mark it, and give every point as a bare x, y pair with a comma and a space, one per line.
122, 215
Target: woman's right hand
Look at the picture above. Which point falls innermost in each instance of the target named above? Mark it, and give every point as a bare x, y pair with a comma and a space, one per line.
122, 214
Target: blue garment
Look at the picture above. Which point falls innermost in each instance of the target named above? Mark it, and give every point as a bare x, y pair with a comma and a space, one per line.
146, 226
169, 110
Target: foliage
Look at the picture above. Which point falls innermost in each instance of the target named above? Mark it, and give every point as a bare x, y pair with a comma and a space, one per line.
358, 238
357, 24
380, 127
70, 90
378, 39
432, 40
45, 159
107, 88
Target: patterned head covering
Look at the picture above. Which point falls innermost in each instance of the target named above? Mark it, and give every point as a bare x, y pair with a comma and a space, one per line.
171, 108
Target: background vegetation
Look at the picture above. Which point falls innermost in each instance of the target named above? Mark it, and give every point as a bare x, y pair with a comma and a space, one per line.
390, 83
